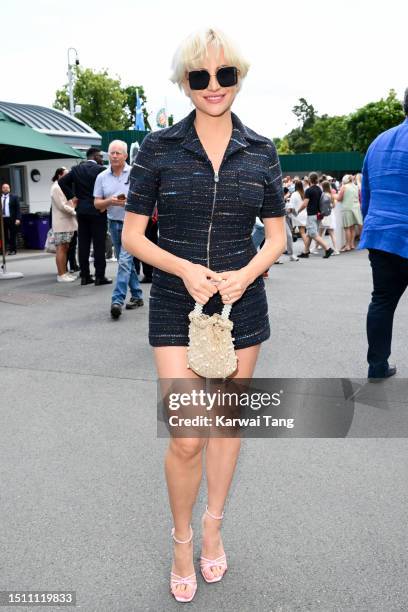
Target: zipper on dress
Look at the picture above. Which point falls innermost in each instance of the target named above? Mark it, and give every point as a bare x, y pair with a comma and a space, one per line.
216, 179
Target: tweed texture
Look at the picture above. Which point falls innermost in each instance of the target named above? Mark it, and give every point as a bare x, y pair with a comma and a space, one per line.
206, 219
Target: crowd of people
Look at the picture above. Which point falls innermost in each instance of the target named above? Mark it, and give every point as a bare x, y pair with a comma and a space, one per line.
319, 206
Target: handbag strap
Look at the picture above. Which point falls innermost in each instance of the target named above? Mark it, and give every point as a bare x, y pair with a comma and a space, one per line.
198, 310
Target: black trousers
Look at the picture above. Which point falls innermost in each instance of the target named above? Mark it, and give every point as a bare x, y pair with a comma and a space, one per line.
92, 228
72, 252
390, 279
10, 233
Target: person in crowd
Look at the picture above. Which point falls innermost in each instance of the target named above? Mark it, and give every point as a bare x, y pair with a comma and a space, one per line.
348, 195
10, 206
110, 192
311, 204
72, 260
328, 223
64, 224
151, 234
385, 235
204, 256
92, 223
299, 220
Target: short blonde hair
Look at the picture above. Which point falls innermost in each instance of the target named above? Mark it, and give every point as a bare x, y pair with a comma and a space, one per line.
193, 50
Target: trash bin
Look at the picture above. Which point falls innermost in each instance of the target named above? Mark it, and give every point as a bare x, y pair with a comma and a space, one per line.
34, 227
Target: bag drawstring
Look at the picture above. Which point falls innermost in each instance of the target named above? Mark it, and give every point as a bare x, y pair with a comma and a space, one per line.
226, 311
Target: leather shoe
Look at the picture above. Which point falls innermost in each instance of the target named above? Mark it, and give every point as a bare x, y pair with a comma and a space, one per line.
103, 281
134, 303
12, 253
87, 280
116, 310
392, 370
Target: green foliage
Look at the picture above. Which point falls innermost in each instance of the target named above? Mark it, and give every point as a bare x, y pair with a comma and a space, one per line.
130, 106
330, 134
300, 140
105, 104
370, 120
282, 146
305, 114
352, 132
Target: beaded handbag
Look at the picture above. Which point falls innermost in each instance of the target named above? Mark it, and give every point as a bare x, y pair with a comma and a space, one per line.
211, 351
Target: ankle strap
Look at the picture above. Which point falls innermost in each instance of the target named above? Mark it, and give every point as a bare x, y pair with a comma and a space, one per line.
182, 541
219, 518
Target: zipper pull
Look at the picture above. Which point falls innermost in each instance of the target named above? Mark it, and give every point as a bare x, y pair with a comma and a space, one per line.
216, 177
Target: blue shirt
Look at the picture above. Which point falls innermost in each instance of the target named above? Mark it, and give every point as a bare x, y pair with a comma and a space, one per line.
385, 192
108, 184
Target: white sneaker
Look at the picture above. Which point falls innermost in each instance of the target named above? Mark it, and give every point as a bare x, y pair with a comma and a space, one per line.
336, 252
293, 258
314, 252
65, 278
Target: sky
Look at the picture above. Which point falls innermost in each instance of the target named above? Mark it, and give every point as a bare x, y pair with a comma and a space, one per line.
337, 55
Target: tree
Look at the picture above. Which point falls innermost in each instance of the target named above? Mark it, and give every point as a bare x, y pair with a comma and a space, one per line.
130, 106
370, 120
300, 140
305, 113
105, 104
282, 146
330, 134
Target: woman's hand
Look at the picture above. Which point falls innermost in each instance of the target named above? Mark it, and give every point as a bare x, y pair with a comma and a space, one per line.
233, 285
200, 282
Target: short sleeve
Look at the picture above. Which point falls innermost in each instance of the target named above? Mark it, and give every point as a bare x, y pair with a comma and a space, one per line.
98, 187
307, 194
144, 179
273, 204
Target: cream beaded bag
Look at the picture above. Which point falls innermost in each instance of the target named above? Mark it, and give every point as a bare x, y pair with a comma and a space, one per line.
211, 351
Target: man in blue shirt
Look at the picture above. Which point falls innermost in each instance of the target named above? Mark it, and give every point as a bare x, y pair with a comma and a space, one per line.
110, 192
385, 235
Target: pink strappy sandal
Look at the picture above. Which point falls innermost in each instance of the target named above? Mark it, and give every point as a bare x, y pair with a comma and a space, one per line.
189, 580
206, 564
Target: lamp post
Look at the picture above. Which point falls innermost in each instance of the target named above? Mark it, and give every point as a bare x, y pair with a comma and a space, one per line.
71, 80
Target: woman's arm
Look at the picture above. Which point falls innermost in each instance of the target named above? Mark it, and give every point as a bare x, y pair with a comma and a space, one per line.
340, 194
61, 203
194, 276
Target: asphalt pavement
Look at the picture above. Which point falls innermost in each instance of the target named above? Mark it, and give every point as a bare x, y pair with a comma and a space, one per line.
310, 525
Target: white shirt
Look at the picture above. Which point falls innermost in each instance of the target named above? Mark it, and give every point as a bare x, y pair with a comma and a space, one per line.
5, 204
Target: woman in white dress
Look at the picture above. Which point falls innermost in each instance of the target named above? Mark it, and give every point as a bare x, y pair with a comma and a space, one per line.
298, 220
329, 223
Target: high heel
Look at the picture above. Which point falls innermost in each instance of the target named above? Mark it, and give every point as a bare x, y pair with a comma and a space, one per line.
188, 580
206, 564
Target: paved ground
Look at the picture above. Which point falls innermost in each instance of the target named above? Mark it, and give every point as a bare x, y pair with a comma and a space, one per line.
311, 525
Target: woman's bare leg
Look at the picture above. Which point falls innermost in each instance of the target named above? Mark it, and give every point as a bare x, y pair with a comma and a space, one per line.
333, 238
183, 467
221, 459
302, 231
61, 258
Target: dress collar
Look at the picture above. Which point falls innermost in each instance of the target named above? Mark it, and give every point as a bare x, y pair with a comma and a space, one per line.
185, 131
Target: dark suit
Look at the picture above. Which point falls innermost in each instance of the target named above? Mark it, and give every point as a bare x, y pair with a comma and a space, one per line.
10, 228
92, 224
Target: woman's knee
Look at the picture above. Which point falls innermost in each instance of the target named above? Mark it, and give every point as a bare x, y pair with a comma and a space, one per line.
187, 448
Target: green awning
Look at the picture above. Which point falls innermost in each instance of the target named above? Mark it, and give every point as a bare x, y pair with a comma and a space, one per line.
20, 143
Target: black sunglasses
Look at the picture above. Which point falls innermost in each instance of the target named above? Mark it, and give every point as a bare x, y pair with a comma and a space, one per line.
226, 77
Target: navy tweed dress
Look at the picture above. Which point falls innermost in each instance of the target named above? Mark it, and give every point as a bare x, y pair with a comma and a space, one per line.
207, 219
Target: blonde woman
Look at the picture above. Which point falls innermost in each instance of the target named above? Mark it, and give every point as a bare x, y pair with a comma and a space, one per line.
211, 177
349, 196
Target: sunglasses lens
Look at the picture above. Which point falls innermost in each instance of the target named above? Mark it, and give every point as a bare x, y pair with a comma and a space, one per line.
198, 79
227, 77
